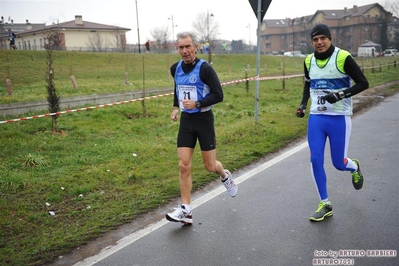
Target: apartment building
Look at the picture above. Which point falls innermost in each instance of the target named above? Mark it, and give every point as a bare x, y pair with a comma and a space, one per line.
350, 28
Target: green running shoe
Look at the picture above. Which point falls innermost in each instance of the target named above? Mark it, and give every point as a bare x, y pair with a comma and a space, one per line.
324, 210
357, 176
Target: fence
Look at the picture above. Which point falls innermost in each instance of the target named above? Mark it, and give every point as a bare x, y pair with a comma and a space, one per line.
283, 78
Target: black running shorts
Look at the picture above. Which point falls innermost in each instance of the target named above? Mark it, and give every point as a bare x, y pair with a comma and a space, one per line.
197, 126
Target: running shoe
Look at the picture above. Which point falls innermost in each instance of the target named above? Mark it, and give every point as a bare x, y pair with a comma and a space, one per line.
230, 185
357, 176
324, 210
180, 215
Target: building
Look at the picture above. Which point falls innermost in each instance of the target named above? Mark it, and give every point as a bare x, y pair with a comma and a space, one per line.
393, 33
75, 35
350, 28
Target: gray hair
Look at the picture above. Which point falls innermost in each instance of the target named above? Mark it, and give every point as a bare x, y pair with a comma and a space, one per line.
186, 34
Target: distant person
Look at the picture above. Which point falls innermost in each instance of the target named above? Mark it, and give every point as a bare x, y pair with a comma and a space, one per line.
147, 46
207, 47
11, 37
224, 46
328, 74
201, 46
197, 89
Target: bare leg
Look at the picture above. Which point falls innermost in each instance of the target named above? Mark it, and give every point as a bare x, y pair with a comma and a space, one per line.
211, 164
185, 178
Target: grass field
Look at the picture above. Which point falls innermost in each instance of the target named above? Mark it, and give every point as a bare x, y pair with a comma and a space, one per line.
106, 166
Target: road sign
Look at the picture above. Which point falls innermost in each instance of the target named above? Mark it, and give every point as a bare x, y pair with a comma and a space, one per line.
261, 6
264, 6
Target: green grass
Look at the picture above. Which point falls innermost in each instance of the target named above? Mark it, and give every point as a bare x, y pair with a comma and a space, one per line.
106, 166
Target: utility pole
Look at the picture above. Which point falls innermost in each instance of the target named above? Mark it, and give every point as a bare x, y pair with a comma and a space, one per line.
173, 33
209, 41
138, 28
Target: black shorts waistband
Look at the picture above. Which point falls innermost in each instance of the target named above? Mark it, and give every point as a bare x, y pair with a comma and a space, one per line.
202, 115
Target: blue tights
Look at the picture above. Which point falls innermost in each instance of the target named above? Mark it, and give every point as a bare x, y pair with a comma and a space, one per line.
338, 130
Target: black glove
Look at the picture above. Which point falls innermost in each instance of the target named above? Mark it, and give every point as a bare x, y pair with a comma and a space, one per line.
300, 111
331, 97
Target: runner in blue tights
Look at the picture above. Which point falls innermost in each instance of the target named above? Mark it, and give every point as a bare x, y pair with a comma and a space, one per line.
329, 72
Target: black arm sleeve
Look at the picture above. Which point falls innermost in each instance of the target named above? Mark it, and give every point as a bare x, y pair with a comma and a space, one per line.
210, 78
306, 87
172, 72
354, 71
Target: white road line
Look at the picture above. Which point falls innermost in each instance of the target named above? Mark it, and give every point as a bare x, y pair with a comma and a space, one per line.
108, 251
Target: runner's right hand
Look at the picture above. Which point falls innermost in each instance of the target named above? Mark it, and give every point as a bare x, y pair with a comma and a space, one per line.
300, 112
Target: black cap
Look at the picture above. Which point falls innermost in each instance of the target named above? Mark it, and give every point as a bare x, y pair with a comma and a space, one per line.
320, 29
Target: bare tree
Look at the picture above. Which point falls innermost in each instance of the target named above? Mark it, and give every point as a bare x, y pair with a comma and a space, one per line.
54, 39
96, 42
392, 6
160, 36
206, 27
117, 39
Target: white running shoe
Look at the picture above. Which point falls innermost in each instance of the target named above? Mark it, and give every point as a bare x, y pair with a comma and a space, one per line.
230, 185
180, 215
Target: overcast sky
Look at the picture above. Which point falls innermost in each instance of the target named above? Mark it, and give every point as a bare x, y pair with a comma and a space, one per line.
236, 18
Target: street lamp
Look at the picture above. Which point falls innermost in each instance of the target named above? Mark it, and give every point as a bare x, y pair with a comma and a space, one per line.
173, 32
209, 41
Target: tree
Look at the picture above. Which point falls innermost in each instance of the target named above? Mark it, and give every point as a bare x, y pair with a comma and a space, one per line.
53, 97
237, 46
53, 39
205, 26
396, 40
384, 41
161, 36
96, 42
117, 39
392, 6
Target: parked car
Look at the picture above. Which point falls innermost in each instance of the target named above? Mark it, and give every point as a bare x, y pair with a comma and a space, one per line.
294, 54
390, 52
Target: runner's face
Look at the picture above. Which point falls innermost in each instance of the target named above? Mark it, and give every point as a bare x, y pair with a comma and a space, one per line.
321, 43
187, 50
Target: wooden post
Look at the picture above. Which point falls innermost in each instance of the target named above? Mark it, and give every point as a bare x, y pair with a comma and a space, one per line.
9, 87
246, 82
283, 65
73, 81
126, 78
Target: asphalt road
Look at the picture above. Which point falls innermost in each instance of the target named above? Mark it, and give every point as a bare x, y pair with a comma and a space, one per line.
268, 222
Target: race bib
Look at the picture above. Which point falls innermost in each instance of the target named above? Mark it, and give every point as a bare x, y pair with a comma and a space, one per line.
187, 93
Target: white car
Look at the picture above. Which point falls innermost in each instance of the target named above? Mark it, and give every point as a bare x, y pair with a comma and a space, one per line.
390, 52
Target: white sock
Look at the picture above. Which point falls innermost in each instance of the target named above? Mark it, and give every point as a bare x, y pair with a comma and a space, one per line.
186, 207
224, 178
325, 201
